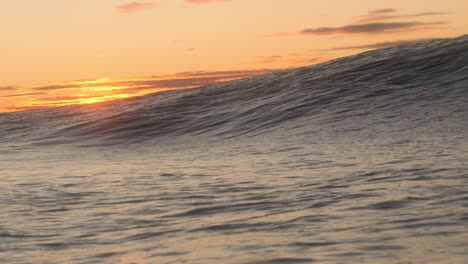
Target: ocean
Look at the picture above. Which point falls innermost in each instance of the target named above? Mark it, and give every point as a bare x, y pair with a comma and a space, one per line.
361, 159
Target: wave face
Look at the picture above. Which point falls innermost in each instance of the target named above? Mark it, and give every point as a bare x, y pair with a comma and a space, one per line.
412, 85
360, 159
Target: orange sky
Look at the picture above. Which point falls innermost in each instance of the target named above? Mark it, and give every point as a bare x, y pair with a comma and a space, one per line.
125, 48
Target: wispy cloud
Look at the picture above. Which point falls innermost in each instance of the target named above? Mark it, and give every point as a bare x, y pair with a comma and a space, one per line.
7, 88
221, 73
136, 6
205, 1
377, 21
390, 14
22, 94
379, 45
105, 89
176, 81
383, 11
293, 59
371, 28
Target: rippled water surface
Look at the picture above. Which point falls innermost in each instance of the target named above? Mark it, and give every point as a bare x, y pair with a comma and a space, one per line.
361, 159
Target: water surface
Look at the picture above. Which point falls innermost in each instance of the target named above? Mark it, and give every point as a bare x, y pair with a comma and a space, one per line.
361, 159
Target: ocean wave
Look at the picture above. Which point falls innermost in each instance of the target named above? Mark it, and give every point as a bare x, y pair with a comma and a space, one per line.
419, 87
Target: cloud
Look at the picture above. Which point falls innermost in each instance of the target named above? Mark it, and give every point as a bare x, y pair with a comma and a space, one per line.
370, 28
64, 98
380, 45
106, 89
390, 13
205, 1
7, 88
292, 60
383, 11
176, 81
376, 21
304, 60
23, 94
136, 6
99, 90
224, 73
